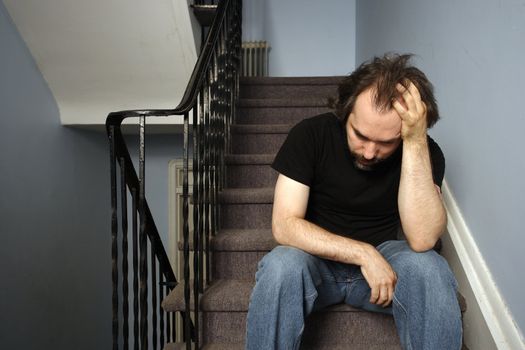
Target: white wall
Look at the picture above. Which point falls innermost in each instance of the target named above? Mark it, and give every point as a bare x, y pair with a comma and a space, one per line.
307, 37
473, 52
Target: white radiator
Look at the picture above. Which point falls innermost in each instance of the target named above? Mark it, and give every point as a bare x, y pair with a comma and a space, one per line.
254, 58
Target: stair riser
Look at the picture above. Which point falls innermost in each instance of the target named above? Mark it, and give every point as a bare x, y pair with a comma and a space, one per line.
288, 91
248, 176
236, 265
359, 328
277, 115
246, 216
257, 143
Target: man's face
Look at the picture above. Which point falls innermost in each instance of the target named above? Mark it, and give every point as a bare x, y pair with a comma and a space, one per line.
373, 136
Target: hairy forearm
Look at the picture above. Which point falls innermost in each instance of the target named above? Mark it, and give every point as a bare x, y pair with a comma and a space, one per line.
421, 210
302, 234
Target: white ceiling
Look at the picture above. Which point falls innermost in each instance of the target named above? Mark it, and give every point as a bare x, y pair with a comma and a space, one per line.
100, 56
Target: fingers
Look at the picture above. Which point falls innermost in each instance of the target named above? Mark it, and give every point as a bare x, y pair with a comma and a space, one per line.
408, 96
412, 97
374, 295
383, 294
399, 109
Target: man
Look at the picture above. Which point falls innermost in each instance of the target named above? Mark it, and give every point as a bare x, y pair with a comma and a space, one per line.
348, 183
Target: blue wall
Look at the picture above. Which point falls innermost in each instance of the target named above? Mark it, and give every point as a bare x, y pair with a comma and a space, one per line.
160, 149
54, 215
307, 37
473, 52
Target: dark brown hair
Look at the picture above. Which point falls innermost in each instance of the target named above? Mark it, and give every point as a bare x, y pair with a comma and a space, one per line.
382, 74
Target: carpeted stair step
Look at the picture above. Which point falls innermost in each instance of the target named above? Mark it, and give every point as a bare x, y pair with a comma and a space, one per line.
258, 138
225, 305
293, 87
175, 346
240, 346
175, 299
250, 170
236, 253
249, 208
279, 111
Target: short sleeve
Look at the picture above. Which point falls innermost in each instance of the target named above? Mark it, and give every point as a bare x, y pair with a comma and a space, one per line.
296, 157
438, 162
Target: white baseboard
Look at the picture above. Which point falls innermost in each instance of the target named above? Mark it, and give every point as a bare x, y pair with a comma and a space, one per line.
485, 294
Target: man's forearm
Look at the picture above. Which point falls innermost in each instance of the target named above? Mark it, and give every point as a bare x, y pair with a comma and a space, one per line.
421, 210
302, 234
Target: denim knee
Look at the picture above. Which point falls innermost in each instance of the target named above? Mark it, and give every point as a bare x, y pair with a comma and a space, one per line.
428, 267
285, 264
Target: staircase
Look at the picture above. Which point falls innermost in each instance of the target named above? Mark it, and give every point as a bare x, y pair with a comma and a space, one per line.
268, 108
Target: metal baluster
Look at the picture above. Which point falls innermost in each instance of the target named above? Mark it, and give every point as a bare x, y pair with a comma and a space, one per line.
161, 311
143, 242
134, 211
154, 296
207, 172
186, 233
196, 243
173, 326
114, 237
222, 103
201, 197
214, 143
124, 210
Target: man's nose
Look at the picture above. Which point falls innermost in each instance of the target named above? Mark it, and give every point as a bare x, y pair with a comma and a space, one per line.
370, 150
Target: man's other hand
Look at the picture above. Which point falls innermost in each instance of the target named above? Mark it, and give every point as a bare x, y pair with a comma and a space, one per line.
380, 277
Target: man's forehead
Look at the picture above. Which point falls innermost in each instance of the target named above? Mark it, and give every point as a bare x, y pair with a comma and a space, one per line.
366, 102
372, 122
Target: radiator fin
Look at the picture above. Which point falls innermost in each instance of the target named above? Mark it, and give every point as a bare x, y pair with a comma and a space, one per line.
254, 58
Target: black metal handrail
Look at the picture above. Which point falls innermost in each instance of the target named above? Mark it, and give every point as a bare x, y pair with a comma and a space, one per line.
211, 94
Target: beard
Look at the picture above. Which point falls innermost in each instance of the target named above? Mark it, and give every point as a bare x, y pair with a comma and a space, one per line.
362, 163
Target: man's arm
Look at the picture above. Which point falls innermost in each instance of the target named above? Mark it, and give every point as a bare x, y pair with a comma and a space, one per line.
290, 228
423, 216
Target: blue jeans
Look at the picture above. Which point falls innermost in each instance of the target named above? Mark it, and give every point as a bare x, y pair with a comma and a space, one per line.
291, 283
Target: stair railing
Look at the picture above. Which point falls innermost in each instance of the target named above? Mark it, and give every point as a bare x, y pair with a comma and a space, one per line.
210, 96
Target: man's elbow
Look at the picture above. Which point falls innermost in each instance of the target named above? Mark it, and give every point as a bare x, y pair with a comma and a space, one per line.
422, 243
279, 232
421, 246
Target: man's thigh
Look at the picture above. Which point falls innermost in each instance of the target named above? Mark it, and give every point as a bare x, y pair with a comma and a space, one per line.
404, 261
329, 278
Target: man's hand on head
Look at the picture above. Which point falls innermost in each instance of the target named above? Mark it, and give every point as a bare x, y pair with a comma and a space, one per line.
413, 113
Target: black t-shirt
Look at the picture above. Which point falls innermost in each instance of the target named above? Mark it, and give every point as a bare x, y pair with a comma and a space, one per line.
344, 199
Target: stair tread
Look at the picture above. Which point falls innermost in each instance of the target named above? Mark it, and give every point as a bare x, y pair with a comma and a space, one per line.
175, 346
228, 295
174, 301
261, 128
262, 195
283, 102
249, 159
234, 296
321, 80
240, 346
239, 240
244, 240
